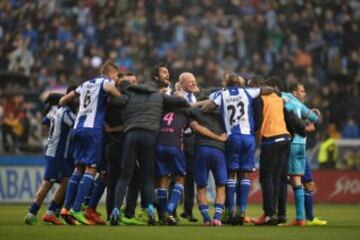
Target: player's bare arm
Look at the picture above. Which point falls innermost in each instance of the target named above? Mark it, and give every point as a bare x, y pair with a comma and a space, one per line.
200, 103
208, 107
112, 129
310, 127
111, 89
67, 98
207, 133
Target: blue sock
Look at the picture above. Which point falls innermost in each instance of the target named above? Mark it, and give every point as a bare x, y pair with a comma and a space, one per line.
309, 205
58, 211
150, 209
219, 208
162, 200
243, 189
175, 197
87, 198
83, 189
53, 206
230, 194
204, 210
97, 192
299, 202
115, 212
71, 190
34, 208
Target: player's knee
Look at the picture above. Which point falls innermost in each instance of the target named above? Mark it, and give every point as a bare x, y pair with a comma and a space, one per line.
231, 174
243, 175
180, 179
90, 170
309, 186
201, 188
80, 169
46, 184
64, 181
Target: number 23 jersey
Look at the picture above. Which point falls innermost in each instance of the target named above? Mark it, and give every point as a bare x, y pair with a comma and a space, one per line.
236, 108
92, 103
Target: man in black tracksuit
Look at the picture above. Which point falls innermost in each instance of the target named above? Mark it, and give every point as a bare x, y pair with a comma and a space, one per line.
142, 109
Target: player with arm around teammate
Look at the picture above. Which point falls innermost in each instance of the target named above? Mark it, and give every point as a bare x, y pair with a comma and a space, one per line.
88, 136
298, 91
235, 103
60, 120
210, 156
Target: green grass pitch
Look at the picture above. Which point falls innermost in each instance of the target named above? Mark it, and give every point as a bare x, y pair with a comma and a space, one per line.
344, 223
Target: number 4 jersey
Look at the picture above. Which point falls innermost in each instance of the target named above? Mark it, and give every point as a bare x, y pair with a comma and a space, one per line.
236, 107
92, 103
172, 129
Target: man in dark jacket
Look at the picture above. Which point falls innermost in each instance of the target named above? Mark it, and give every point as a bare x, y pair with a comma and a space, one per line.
142, 109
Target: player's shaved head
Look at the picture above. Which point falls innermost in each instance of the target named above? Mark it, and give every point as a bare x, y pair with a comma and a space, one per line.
234, 80
107, 68
110, 69
298, 90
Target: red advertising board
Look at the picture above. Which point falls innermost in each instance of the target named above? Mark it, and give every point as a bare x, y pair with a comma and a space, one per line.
331, 187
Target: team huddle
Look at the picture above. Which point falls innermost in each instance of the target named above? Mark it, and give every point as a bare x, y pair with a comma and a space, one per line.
128, 138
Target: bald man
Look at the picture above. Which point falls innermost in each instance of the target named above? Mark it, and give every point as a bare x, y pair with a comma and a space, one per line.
187, 88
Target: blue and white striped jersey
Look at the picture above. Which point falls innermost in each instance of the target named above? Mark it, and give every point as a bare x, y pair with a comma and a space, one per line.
236, 107
92, 103
61, 121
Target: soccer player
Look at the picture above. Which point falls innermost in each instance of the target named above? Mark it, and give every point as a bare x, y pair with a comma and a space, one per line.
235, 103
306, 179
298, 149
88, 136
209, 156
108, 168
58, 167
170, 159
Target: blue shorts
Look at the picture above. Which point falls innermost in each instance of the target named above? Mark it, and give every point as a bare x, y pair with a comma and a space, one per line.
169, 160
308, 173
87, 146
56, 169
297, 159
209, 159
240, 152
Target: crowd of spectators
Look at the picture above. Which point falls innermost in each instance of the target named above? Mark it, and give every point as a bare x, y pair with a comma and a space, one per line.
57, 42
